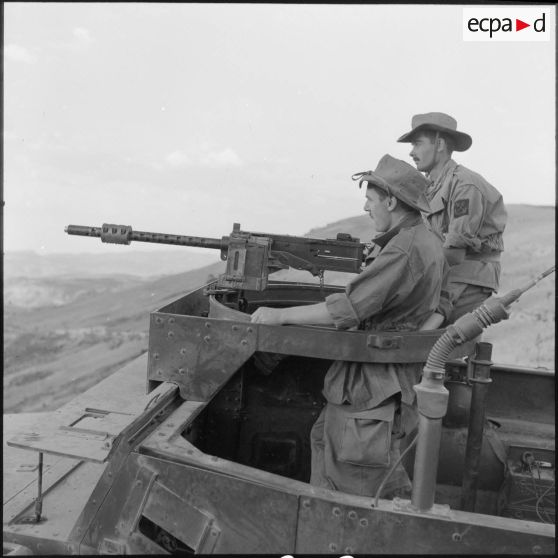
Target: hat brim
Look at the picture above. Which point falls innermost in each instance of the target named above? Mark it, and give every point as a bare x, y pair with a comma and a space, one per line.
372, 179
462, 141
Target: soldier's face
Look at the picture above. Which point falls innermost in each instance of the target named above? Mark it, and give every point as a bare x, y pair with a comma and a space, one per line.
423, 152
378, 210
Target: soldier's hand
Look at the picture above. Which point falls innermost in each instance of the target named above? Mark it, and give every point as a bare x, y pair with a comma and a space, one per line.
264, 315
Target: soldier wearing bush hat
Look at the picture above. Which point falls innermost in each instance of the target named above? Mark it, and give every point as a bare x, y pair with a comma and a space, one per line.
466, 212
352, 442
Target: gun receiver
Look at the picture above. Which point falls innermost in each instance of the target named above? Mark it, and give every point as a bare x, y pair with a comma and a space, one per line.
250, 256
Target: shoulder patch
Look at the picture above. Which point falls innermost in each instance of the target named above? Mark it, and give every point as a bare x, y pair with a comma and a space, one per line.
460, 208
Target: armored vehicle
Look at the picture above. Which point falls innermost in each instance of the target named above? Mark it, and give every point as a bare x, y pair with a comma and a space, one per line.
202, 445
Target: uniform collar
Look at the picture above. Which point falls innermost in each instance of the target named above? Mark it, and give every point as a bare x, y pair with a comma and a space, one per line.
435, 185
410, 220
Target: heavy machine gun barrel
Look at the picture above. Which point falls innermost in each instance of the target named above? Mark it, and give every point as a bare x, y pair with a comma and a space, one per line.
123, 234
250, 256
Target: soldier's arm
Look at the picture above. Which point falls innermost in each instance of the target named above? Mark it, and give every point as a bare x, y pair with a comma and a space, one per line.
466, 213
364, 296
316, 314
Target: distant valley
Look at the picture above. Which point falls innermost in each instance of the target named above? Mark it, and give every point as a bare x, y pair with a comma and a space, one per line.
34, 280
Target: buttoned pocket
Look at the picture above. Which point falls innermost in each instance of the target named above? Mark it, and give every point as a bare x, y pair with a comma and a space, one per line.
367, 437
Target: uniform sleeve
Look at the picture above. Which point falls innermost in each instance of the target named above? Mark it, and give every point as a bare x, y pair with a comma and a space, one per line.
466, 213
388, 276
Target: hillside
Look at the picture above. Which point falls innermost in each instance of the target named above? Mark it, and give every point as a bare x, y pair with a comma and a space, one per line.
53, 352
116, 260
63, 344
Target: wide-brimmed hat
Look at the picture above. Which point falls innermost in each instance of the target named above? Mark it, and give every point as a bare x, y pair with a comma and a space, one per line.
399, 179
439, 122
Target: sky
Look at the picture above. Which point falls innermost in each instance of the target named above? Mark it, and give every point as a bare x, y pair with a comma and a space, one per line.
187, 118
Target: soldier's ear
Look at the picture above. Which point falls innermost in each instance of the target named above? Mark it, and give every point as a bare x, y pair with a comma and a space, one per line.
392, 203
442, 144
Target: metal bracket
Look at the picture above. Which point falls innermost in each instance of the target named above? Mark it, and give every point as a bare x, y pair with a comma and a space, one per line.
383, 342
437, 510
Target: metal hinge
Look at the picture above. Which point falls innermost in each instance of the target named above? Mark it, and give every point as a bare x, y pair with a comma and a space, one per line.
109, 546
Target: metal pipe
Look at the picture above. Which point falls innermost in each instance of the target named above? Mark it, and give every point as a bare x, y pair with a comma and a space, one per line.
426, 468
39, 500
481, 380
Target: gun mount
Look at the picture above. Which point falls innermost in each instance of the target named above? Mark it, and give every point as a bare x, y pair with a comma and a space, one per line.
213, 455
250, 256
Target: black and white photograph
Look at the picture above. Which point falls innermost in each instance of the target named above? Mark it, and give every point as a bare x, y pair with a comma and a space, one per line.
278, 278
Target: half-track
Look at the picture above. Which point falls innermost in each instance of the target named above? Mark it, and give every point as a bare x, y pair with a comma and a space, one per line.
202, 445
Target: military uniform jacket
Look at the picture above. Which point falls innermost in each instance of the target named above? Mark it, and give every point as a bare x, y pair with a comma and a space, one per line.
397, 291
467, 212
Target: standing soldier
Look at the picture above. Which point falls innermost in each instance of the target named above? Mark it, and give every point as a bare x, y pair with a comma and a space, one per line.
466, 212
370, 406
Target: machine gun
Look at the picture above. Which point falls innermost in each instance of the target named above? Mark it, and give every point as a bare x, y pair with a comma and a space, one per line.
250, 256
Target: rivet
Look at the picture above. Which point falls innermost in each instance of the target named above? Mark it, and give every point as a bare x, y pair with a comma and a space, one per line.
249, 330
170, 334
171, 320
537, 549
352, 515
235, 328
207, 338
363, 522
207, 325
181, 370
158, 320
159, 372
349, 550
456, 537
182, 351
306, 504
333, 547
336, 512
156, 356
244, 342
138, 483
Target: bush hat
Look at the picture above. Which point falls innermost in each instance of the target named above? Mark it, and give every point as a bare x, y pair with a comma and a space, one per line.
439, 122
399, 179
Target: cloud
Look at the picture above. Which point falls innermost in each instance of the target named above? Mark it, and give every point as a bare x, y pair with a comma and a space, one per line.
225, 158
208, 158
82, 35
178, 159
18, 54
